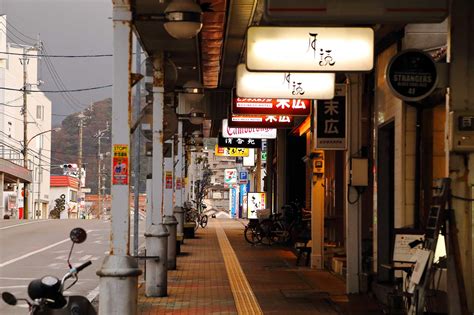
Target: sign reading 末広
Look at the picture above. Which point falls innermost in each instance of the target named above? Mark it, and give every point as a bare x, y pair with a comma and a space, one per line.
239, 142
271, 106
294, 85
253, 133
331, 122
322, 49
411, 75
261, 121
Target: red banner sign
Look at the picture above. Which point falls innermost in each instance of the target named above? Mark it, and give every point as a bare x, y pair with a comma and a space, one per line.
271, 106
261, 121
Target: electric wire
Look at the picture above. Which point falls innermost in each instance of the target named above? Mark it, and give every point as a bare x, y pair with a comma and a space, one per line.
59, 91
26, 36
57, 56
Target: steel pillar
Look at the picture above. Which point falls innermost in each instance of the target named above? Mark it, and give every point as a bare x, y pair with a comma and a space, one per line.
170, 222
119, 272
179, 215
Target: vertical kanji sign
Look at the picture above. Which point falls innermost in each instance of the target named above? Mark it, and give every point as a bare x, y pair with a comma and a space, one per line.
120, 165
331, 123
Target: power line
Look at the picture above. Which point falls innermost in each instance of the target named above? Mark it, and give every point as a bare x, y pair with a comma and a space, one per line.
26, 36
58, 56
59, 91
7, 105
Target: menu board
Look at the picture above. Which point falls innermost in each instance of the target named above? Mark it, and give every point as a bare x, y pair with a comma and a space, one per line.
402, 252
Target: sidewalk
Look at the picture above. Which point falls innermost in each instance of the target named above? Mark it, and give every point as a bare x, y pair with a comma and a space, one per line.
248, 280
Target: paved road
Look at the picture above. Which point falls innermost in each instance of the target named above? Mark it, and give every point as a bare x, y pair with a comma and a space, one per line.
32, 249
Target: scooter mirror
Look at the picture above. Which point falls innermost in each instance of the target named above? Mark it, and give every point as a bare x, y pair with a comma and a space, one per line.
9, 298
78, 235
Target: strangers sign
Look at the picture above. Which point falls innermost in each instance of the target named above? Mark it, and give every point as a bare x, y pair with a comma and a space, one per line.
239, 142
303, 49
253, 133
261, 121
271, 106
331, 123
295, 85
411, 75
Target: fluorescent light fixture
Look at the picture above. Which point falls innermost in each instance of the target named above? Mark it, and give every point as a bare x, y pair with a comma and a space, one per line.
295, 85
322, 49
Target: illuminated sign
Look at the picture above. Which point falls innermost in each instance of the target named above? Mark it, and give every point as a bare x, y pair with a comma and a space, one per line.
239, 142
256, 201
220, 151
322, 49
295, 85
230, 176
261, 121
253, 133
271, 106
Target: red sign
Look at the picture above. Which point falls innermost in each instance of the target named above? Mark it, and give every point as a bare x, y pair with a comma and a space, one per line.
261, 121
271, 106
178, 183
169, 180
120, 165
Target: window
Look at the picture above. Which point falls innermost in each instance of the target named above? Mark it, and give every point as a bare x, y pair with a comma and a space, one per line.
40, 112
73, 196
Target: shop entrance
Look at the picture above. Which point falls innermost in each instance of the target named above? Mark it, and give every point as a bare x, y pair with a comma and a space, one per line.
385, 199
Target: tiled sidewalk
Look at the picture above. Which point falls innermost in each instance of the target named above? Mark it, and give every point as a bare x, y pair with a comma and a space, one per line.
201, 284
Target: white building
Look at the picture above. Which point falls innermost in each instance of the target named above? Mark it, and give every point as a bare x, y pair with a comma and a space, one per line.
38, 111
65, 186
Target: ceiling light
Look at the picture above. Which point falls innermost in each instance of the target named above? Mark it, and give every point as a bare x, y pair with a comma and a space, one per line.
196, 118
183, 19
193, 91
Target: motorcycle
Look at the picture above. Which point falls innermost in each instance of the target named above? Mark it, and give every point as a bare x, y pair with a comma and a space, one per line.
46, 294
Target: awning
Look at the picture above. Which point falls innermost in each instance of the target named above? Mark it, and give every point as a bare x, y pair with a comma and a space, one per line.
13, 172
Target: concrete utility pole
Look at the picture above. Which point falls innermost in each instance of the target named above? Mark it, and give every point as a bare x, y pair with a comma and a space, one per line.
24, 60
100, 135
79, 163
119, 272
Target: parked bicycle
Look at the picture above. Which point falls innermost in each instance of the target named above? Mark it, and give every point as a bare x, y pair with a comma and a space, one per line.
196, 214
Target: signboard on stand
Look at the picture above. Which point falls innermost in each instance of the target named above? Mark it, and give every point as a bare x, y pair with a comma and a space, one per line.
255, 201
120, 164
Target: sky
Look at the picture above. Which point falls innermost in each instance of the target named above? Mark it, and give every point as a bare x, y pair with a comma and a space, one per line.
67, 27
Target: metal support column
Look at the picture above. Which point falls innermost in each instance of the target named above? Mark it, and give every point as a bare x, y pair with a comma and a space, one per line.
169, 220
179, 165
119, 272
157, 234
353, 210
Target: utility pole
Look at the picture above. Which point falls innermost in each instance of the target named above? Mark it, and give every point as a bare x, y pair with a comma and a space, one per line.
79, 163
99, 135
136, 152
24, 61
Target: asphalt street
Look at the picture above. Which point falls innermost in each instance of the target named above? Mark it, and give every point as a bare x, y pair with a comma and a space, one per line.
36, 248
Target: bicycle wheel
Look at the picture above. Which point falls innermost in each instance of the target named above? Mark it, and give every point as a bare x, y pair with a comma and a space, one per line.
266, 232
278, 233
204, 220
252, 235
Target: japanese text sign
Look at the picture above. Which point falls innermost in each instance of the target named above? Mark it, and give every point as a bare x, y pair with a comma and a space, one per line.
239, 142
225, 151
331, 124
120, 164
271, 106
253, 133
261, 121
322, 49
294, 85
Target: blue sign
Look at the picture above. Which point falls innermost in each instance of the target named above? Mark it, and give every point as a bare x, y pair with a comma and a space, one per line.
233, 202
243, 175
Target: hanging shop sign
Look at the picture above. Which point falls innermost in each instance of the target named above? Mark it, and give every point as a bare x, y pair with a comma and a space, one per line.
252, 133
120, 164
350, 11
271, 106
412, 75
322, 49
239, 142
230, 176
294, 85
331, 123
225, 151
261, 121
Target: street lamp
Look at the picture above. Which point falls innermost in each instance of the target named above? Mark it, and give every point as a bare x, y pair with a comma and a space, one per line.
25, 165
183, 19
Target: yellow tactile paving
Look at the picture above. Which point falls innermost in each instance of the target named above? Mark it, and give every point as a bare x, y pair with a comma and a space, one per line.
244, 298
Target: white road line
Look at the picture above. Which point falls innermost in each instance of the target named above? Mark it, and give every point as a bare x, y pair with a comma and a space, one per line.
11, 261
15, 225
92, 294
85, 257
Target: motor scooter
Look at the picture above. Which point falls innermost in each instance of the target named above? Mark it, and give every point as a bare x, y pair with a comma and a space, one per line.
46, 294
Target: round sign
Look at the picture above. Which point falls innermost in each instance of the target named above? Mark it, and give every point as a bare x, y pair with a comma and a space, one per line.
411, 75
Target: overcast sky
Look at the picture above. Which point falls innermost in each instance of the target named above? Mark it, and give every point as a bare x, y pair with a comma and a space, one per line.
67, 27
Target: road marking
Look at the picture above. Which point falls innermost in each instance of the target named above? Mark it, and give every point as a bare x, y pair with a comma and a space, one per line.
244, 298
13, 287
92, 294
11, 261
15, 225
85, 257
